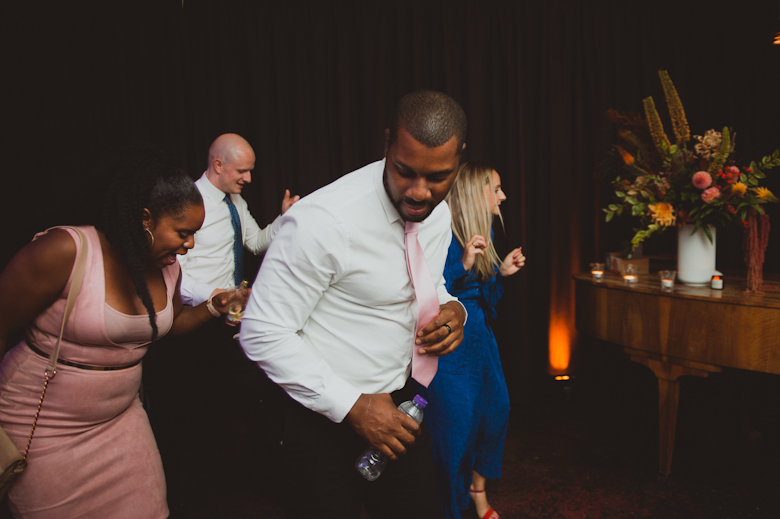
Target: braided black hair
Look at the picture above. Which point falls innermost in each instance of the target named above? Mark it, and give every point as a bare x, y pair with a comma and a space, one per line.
144, 177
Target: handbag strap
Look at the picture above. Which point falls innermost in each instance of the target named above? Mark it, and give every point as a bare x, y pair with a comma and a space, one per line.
75, 287
79, 266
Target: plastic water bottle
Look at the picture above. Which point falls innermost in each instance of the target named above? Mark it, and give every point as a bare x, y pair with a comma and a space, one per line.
372, 462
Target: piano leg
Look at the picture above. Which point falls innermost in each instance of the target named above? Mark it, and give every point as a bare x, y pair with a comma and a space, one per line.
668, 400
668, 375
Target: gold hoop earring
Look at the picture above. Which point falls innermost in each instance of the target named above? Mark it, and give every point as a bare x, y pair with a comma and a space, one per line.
152, 235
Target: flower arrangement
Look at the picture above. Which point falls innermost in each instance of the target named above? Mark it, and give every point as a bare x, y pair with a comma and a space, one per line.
667, 184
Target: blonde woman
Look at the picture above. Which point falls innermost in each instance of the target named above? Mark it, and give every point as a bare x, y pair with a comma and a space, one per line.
469, 403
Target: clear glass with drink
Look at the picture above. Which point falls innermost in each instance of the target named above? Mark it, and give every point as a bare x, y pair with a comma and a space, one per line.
237, 298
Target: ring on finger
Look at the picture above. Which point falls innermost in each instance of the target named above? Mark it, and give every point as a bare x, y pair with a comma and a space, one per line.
449, 330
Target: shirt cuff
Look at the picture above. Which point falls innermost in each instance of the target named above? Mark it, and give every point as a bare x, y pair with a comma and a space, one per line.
337, 401
200, 294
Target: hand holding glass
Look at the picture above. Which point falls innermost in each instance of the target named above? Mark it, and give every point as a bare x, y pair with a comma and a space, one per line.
236, 303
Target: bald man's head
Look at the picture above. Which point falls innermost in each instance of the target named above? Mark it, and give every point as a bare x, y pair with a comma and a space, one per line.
231, 161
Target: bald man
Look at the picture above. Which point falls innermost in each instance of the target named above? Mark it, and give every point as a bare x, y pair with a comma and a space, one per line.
205, 376
211, 266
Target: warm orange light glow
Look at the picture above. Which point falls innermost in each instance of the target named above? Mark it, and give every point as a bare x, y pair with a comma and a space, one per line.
777, 38
562, 377
715, 278
560, 344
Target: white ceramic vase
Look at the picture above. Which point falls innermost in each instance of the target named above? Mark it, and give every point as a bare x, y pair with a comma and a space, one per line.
695, 256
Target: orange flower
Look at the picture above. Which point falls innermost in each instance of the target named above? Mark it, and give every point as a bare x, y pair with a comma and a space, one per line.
739, 189
628, 159
764, 194
662, 214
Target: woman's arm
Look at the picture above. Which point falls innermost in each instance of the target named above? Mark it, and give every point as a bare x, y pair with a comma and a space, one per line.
188, 318
493, 289
513, 262
33, 279
476, 245
453, 265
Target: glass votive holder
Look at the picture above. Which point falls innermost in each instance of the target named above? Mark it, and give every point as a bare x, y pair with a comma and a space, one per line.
597, 271
630, 273
667, 278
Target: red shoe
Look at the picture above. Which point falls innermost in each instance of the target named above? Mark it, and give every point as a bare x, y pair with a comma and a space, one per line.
490, 514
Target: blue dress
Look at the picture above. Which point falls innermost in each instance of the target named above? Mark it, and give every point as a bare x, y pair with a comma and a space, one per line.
468, 402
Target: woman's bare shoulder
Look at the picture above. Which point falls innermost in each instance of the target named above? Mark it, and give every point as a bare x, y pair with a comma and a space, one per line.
50, 256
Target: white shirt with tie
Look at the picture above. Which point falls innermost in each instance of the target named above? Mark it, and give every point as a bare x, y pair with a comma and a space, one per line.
211, 263
332, 313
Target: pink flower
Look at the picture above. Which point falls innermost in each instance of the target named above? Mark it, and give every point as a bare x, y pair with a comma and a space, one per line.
732, 170
702, 180
710, 194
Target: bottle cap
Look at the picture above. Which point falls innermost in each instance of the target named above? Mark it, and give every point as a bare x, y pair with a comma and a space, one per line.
420, 401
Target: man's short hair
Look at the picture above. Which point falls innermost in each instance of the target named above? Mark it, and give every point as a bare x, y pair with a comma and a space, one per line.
432, 118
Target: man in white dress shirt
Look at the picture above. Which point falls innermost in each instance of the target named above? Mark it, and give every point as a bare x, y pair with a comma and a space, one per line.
216, 383
211, 268
332, 320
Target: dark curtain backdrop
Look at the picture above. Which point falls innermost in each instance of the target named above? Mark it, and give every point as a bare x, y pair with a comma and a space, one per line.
311, 85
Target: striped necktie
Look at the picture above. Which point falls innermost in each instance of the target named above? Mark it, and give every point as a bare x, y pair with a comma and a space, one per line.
423, 366
238, 242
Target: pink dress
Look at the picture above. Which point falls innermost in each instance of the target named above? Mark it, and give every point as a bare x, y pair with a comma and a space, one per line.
93, 453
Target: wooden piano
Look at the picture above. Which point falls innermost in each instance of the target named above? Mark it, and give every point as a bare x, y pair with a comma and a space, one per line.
683, 331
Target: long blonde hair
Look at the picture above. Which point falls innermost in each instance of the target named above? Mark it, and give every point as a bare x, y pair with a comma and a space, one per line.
472, 215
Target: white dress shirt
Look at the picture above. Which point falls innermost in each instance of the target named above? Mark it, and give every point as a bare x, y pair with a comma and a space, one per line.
333, 313
211, 263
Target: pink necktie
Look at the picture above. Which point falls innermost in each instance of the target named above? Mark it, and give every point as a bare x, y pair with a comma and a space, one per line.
423, 366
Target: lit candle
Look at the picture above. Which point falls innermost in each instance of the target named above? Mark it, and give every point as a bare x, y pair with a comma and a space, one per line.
597, 270
597, 274
630, 273
717, 283
667, 278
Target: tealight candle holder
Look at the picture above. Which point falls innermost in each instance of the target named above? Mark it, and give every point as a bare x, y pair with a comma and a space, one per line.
717, 282
667, 279
630, 274
597, 271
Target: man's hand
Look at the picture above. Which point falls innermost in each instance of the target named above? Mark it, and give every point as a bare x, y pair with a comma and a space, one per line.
378, 420
288, 202
435, 338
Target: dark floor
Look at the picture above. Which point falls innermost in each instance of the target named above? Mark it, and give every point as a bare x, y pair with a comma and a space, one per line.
577, 450
585, 449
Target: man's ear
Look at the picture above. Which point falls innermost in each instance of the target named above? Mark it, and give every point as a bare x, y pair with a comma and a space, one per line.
218, 165
387, 140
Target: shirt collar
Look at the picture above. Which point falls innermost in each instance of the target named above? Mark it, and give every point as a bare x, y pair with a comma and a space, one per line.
387, 203
209, 190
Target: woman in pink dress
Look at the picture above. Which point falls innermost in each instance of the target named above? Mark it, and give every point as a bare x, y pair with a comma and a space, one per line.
93, 453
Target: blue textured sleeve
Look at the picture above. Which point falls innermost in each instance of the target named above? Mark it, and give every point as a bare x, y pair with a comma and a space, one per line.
453, 268
492, 290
